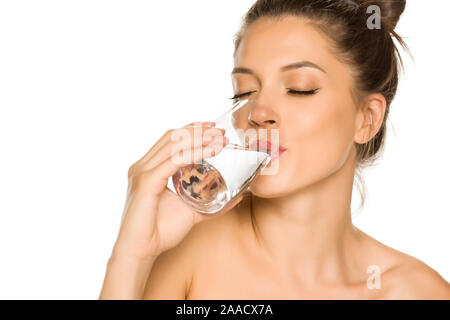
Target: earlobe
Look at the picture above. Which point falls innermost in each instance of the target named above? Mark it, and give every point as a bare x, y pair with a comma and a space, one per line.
371, 118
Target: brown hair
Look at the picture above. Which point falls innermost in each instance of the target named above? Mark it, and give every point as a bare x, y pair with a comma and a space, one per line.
372, 53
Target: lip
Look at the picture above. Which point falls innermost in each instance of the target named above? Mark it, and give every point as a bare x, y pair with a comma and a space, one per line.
265, 145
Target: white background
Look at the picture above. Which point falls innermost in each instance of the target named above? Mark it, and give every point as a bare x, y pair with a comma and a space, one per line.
87, 87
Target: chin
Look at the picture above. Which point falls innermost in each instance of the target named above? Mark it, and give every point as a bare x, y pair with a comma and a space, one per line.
271, 183
268, 186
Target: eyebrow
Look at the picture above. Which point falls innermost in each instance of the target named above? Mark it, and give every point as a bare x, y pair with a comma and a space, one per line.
295, 65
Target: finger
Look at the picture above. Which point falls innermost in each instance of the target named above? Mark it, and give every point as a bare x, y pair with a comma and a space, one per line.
166, 138
200, 124
163, 171
190, 140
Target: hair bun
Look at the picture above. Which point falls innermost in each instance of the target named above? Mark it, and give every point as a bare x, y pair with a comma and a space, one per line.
391, 10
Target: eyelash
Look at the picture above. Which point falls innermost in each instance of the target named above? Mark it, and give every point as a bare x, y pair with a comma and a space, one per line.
305, 93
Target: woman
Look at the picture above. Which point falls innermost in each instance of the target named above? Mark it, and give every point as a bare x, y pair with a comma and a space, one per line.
316, 71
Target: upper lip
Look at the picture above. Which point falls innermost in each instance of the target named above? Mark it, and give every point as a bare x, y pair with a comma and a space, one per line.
261, 144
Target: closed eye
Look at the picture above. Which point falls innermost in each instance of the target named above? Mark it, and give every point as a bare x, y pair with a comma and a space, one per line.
292, 91
237, 96
305, 93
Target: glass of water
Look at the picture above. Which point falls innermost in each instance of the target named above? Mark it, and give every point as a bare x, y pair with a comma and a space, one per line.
209, 184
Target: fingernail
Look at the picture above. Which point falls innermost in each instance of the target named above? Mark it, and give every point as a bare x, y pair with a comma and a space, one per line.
222, 130
208, 138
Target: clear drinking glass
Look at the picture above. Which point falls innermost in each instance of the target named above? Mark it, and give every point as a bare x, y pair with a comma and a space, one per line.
209, 184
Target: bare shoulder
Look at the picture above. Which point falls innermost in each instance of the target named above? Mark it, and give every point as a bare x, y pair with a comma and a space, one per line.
404, 276
173, 271
413, 279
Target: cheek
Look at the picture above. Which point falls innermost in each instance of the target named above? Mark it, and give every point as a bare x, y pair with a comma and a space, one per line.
320, 137
323, 135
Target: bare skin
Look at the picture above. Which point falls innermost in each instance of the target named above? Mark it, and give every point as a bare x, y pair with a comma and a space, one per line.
222, 259
293, 238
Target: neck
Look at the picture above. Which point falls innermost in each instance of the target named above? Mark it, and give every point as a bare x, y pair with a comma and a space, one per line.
309, 232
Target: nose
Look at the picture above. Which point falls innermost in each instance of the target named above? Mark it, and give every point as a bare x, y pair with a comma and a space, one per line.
263, 117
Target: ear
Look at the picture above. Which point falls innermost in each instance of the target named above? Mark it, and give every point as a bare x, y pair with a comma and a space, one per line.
369, 118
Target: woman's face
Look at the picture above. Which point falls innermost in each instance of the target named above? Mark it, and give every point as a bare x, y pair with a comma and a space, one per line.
317, 129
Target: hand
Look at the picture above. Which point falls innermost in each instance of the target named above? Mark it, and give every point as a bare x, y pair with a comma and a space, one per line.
155, 219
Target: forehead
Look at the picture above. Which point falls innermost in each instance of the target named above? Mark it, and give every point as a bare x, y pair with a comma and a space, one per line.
270, 43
